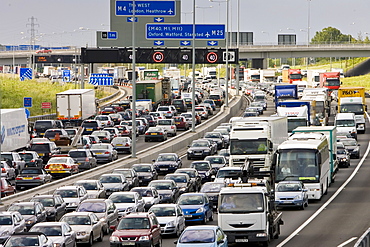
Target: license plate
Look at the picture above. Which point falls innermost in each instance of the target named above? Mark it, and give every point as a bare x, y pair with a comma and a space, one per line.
153, 134
239, 240
27, 178
140, 181
119, 145
98, 153
128, 243
286, 202
52, 140
197, 153
41, 154
58, 171
42, 134
177, 122
163, 169
187, 216
89, 129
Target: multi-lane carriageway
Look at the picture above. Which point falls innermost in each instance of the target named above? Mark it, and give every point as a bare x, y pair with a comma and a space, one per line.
339, 219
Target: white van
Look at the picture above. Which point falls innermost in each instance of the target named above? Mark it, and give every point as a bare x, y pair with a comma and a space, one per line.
346, 122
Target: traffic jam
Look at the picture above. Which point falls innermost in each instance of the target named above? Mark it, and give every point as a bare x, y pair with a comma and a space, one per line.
231, 186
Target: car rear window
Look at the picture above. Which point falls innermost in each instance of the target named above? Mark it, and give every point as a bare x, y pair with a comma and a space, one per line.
43, 125
90, 124
40, 148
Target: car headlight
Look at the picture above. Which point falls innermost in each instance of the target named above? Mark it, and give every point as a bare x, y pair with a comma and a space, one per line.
114, 239
183, 189
207, 174
298, 197
103, 219
56, 244
148, 177
200, 210
142, 238
81, 233
207, 150
129, 209
356, 149
30, 222
190, 151
5, 233
170, 224
343, 159
72, 204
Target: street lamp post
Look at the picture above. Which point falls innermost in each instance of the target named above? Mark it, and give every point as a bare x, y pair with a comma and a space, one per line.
193, 76
227, 54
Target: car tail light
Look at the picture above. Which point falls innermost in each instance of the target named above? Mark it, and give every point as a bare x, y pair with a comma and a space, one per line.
159, 117
127, 144
49, 154
37, 178
93, 142
86, 159
168, 112
172, 127
107, 152
47, 166
33, 161
3, 170
161, 134
66, 166
146, 134
17, 178
105, 138
126, 131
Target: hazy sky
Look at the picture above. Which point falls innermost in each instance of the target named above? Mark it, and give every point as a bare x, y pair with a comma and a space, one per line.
73, 22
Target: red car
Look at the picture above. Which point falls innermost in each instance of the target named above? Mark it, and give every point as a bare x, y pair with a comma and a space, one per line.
181, 123
107, 111
137, 229
6, 188
43, 51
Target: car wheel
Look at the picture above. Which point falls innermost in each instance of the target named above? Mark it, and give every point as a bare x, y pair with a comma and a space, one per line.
101, 236
159, 244
188, 157
91, 239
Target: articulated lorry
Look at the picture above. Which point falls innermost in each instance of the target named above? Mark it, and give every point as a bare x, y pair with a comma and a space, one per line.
291, 75
14, 130
285, 92
159, 91
247, 211
256, 139
75, 105
298, 113
331, 135
352, 99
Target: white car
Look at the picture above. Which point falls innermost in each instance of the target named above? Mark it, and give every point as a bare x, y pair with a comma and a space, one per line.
170, 217
127, 202
105, 120
149, 194
157, 115
169, 125
168, 111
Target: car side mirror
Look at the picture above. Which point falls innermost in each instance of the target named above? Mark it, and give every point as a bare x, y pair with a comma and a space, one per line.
95, 222
68, 234
305, 190
58, 205
220, 241
153, 160
110, 211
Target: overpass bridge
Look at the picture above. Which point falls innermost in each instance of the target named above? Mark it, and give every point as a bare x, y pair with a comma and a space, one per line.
245, 52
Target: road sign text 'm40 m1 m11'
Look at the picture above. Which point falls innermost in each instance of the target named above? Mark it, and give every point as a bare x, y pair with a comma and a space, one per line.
185, 31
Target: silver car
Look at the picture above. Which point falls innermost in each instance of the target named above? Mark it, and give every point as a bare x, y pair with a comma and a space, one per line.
104, 209
127, 202
114, 182
72, 195
59, 232
94, 188
87, 226
11, 222
170, 217
104, 152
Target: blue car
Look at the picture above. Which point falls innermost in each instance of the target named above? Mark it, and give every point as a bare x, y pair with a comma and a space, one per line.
195, 207
202, 236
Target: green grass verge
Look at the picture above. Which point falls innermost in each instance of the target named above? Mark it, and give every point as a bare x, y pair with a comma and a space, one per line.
12, 92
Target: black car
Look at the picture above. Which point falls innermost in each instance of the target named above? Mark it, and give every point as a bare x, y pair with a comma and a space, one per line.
352, 146
54, 204
194, 176
216, 137
31, 158
145, 172
45, 150
84, 158
150, 119
212, 190
167, 162
90, 126
167, 189
199, 149
32, 177
343, 156
180, 105
204, 169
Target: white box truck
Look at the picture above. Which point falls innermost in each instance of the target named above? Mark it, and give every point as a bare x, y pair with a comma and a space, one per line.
14, 130
256, 139
75, 105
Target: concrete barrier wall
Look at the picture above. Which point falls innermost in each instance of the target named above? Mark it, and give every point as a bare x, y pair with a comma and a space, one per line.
174, 145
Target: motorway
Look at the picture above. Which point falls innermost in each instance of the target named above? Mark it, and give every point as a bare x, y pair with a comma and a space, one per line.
337, 220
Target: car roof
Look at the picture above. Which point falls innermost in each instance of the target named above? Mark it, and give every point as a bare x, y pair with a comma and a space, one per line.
202, 227
78, 213
137, 215
50, 223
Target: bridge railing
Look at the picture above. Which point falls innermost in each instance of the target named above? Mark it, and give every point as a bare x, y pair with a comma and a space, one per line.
364, 240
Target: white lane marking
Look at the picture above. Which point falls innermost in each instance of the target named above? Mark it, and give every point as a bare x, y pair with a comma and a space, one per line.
347, 242
330, 199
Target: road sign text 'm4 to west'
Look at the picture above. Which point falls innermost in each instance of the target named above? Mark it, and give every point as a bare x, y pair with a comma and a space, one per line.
146, 8
185, 31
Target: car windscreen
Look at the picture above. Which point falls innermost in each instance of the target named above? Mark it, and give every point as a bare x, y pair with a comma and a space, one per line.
95, 207
197, 236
